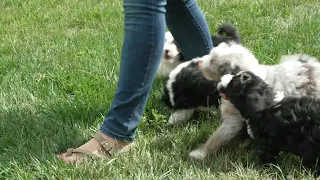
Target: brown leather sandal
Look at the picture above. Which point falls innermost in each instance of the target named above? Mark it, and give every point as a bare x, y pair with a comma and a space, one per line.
107, 148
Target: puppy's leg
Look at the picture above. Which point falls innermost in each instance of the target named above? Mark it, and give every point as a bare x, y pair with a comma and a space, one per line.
181, 116
228, 130
267, 151
232, 124
309, 158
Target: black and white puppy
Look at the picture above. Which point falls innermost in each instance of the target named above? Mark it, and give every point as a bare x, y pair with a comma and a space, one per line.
172, 55
295, 74
289, 124
188, 90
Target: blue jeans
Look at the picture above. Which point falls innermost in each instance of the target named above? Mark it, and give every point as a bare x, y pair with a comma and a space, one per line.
145, 22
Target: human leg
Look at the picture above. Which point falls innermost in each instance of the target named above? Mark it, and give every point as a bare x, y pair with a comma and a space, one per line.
189, 28
141, 54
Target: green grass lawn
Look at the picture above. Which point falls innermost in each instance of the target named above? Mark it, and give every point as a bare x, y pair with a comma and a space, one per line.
59, 64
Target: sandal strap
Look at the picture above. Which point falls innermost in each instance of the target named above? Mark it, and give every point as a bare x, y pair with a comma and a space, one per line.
70, 151
105, 145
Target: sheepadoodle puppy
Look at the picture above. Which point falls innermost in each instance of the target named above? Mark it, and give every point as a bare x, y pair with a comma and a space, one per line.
294, 75
289, 124
172, 55
187, 90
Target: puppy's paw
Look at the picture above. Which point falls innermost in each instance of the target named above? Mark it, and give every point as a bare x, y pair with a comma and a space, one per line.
246, 143
279, 96
176, 120
266, 159
198, 154
180, 116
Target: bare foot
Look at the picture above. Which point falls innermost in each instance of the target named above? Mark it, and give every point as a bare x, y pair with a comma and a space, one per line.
94, 148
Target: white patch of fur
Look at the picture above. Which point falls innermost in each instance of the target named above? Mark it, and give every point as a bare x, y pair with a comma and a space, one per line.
198, 154
180, 116
278, 97
249, 131
165, 68
225, 80
183, 115
292, 76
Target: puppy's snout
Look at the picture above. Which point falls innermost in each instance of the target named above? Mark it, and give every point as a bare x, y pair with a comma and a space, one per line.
220, 87
200, 63
222, 91
166, 52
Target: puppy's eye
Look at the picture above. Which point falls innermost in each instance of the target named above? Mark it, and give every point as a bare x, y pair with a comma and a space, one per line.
222, 71
174, 42
236, 70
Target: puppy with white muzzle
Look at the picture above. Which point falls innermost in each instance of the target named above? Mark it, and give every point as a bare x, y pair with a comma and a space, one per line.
289, 124
171, 57
294, 75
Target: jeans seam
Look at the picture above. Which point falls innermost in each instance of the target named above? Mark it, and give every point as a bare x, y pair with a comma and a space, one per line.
144, 80
198, 27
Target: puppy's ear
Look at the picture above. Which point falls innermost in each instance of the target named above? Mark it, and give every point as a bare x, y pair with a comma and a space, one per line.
244, 78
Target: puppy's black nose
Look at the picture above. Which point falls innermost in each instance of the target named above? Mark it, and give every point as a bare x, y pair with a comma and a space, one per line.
166, 51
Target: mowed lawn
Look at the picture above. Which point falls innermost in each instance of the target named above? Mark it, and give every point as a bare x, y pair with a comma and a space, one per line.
59, 64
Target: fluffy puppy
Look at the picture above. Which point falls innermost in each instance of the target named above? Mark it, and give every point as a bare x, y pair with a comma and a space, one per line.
294, 75
187, 90
172, 55
290, 125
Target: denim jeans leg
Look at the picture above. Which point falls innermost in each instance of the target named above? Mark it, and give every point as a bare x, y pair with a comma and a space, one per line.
189, 28
142, 48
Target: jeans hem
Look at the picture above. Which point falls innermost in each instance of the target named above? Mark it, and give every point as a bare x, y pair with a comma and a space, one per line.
116, 136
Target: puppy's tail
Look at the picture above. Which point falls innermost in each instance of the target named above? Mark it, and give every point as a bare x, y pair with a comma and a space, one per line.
226, 33
229, 30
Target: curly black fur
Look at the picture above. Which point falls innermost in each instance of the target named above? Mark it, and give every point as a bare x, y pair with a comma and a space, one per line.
291, 125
